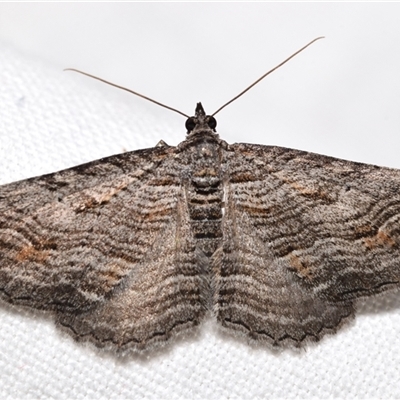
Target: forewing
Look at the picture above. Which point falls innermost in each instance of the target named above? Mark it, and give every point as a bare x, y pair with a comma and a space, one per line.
101, 243
304, 235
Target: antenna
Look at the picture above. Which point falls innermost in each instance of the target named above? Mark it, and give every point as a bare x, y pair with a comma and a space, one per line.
267, 73
128, 90
180, 112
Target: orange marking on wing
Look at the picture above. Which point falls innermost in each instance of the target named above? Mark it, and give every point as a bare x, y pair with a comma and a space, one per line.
30, 253
298, 266
379, 240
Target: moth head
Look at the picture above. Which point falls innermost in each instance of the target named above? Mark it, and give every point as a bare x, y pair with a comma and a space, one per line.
200, 120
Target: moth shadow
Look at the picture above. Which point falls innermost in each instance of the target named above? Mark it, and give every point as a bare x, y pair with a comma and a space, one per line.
254, 345
383, 303
158, 350
380, 303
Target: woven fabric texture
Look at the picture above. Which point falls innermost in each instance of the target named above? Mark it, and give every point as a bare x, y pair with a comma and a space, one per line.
51, 120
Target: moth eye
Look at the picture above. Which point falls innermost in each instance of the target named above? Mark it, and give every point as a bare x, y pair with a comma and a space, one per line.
190, 124
212, 122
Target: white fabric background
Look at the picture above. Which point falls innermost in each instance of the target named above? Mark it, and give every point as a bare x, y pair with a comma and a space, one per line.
340, 97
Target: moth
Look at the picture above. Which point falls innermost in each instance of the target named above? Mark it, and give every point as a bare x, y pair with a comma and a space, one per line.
131, 250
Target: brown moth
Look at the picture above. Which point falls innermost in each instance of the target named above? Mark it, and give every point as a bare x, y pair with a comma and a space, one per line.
129, 251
